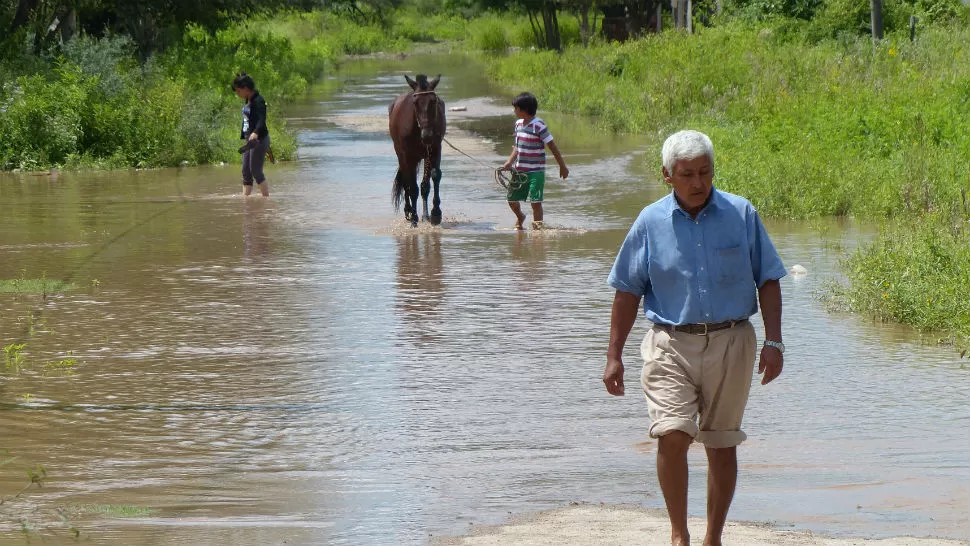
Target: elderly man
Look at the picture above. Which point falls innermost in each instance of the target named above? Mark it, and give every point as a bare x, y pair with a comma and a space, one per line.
696, 258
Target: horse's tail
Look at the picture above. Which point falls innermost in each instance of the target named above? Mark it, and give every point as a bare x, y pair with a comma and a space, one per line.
398, 190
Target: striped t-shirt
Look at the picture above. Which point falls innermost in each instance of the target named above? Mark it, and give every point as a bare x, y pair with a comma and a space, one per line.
530, 144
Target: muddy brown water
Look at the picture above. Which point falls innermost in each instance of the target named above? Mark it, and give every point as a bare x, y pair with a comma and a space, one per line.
308, 370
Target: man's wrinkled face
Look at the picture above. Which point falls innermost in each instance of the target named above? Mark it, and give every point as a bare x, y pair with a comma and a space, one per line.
692, 181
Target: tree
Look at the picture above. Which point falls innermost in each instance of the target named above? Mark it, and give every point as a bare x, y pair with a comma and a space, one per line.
150, 23
544, 18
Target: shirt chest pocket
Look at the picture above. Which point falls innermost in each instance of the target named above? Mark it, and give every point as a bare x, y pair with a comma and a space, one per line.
730, 266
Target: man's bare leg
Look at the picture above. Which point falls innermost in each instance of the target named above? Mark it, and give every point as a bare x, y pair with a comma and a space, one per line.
247, 189
672, 471
264, 188
722, 478
519, 216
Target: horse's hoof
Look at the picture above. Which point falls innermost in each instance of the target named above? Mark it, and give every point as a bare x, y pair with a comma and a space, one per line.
435, 219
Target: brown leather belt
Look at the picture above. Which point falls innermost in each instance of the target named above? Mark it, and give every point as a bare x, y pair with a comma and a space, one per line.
701, 329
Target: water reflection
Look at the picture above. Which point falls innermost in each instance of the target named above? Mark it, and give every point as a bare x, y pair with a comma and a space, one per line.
420, 284
255, 227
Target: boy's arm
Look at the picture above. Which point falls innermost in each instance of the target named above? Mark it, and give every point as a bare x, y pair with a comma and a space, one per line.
563, 170
511, 160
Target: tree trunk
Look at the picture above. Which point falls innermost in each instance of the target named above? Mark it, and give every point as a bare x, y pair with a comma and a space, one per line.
546, 31
24, 9
584, 24
550, 17
876, 7
69, 26
689, 17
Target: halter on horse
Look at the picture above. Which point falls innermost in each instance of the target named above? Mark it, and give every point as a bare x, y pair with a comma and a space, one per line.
417, 126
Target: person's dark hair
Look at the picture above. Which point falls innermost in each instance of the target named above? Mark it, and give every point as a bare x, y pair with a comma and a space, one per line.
243, 81
526, 102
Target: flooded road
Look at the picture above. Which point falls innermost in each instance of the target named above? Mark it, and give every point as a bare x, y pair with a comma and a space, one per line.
307, 370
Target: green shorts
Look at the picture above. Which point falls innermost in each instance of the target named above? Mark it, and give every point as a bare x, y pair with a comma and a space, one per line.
530, 186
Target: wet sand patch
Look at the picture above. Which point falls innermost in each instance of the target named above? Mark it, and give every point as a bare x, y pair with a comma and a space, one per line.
603, 525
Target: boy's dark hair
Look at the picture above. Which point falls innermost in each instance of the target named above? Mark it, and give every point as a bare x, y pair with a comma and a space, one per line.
526, 102
243, 81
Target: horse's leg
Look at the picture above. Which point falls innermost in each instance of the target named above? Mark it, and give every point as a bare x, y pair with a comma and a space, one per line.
436, 177
412, 195
426, 187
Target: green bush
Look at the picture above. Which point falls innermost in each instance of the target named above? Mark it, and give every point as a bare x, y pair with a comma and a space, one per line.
41, 121
95, 105
489, 35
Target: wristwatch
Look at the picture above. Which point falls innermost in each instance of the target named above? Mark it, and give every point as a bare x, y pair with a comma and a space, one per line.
776, 344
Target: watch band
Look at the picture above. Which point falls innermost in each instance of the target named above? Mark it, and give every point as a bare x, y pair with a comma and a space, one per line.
776, 344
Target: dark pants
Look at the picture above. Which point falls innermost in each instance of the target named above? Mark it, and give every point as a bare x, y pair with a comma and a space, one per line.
252, 162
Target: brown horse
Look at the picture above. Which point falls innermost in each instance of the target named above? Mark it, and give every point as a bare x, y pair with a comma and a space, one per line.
417, 125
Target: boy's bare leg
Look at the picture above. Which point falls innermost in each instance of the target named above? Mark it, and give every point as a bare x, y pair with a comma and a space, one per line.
264, 188
247, 189
519, 216
722, 477
537, 215
672, 471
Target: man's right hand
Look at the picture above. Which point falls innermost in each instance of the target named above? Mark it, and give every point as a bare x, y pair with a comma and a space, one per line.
613, 376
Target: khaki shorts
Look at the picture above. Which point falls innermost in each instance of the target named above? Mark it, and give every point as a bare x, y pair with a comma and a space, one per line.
699, 384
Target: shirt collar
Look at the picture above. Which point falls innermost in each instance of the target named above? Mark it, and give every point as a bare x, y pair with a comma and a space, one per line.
716, 201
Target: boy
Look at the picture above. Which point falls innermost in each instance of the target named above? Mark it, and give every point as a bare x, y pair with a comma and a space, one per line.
254, 132
529, 158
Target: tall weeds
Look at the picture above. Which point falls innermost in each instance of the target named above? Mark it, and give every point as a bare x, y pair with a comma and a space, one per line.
802, 128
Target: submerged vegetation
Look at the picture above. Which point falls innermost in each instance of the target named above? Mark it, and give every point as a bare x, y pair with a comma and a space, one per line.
916, 274
34, 286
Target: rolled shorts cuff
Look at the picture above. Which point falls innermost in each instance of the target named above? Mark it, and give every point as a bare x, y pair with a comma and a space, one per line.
717, 439
664, 426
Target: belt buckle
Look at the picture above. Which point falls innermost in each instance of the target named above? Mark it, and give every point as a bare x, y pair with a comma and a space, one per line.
705, 329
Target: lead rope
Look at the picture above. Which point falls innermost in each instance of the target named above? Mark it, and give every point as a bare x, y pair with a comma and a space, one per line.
508, 178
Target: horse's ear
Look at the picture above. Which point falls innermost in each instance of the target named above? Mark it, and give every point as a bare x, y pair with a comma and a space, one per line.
412, 83
434, 83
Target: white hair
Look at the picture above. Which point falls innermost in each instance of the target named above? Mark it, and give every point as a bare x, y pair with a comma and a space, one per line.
686, 145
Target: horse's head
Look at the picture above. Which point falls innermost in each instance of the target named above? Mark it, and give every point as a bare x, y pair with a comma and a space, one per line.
427, 109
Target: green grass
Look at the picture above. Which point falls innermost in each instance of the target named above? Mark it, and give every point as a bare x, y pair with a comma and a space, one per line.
34, 286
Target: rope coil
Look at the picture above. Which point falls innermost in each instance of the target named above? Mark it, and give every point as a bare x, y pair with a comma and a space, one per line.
510, 179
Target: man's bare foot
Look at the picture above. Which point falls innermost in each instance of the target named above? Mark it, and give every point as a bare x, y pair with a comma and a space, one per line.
537, 225
679, 540
520, 219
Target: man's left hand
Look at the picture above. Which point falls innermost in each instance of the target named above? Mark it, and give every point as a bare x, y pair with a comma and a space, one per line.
770, 364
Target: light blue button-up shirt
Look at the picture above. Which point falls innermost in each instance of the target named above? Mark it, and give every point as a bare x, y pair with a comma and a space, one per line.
703, 269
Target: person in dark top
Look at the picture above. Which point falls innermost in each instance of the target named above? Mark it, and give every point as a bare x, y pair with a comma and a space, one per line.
254, 132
